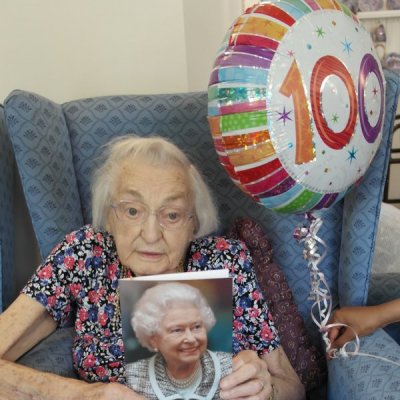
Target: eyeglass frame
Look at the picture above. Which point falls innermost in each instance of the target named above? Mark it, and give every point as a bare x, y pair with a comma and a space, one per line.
149, 211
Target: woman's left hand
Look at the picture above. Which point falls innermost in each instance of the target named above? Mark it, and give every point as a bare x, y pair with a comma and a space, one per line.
249, 378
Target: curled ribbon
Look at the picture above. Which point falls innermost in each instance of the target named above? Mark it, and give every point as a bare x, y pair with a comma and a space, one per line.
319, 293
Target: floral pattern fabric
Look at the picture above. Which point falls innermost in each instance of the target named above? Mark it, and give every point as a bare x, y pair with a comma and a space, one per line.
253, 327
80, 279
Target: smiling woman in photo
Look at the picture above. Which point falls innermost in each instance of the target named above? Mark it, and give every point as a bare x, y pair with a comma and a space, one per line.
173, 320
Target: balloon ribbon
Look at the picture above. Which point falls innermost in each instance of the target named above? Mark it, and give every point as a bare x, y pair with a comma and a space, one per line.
307, 233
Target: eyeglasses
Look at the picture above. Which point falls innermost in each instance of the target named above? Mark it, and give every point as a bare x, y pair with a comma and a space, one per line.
136, 213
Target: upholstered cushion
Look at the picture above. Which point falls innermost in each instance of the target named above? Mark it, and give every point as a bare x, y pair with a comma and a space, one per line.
307, 360
367, 378
53, 354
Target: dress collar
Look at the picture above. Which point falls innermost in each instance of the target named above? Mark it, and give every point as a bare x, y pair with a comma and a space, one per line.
191, 395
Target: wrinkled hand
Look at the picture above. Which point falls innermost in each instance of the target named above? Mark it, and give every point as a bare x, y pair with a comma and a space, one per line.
110, 391
362, 320
249, 378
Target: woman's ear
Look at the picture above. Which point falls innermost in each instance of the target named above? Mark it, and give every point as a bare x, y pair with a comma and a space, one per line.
154, 342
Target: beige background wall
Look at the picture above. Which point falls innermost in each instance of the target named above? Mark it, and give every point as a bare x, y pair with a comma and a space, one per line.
81, 48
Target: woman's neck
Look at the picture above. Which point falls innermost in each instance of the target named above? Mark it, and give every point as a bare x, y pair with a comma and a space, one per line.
182, 372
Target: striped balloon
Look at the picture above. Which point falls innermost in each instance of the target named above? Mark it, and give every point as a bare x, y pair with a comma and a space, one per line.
296, 103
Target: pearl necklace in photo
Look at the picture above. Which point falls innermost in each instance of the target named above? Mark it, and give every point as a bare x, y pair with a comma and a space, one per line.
186, 382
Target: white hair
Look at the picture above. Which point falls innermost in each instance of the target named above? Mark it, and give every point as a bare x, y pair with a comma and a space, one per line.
155, 150
157, 300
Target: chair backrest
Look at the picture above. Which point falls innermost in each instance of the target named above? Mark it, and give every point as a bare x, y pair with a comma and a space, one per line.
393, 162
6, 217
57, 147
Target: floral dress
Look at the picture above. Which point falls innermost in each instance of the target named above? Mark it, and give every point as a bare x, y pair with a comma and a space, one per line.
79, 280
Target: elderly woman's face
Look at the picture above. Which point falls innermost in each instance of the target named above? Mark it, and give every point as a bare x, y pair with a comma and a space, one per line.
182, 336
143, 245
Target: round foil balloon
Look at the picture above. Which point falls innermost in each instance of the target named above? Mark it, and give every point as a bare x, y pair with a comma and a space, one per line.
296, 103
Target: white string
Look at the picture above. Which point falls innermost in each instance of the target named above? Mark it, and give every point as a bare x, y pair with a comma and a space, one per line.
321, 294
344, 353
377, 357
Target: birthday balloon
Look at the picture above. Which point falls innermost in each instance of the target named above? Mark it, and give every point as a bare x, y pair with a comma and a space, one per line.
296, 103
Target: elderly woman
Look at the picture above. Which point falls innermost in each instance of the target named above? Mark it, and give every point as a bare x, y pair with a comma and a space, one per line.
173, 319
151, 214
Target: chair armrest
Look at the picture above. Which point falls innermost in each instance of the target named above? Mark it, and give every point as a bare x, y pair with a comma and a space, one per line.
360, 377
6, 216
361, 211
385, 287
53, 354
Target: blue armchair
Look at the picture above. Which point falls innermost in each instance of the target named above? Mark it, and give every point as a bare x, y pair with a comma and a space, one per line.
55, 147
6, 217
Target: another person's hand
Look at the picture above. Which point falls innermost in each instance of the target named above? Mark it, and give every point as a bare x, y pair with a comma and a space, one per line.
361, 321
249, 378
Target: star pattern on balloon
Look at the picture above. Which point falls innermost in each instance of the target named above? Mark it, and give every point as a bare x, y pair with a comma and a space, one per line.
335, 118
352, 154
284, 115
320, 32
347, 46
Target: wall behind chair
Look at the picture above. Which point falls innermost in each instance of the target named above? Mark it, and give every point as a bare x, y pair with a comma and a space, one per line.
82, 48
72, 49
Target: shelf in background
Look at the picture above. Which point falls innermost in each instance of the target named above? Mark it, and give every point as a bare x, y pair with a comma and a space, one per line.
383, 14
